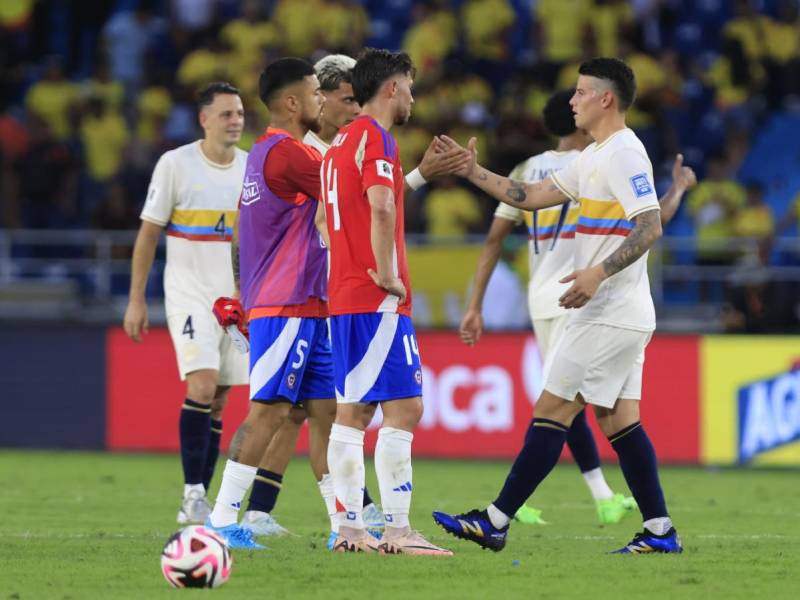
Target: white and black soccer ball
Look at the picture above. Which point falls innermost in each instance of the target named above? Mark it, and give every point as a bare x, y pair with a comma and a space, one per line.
196, 558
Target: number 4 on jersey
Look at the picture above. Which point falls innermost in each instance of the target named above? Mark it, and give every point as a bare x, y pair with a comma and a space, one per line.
220, 226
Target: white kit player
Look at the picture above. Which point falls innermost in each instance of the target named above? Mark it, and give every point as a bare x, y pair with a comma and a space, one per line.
551, 233
193, 196
599, 358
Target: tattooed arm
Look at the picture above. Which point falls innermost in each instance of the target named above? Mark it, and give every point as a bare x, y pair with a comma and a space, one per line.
646, 231
528, 196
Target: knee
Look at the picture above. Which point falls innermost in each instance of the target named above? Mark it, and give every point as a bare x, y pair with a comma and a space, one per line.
218, 402
201, 388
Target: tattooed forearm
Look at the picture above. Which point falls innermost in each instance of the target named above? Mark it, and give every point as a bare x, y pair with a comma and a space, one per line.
235, 262
238, 440
644, 234
516, 190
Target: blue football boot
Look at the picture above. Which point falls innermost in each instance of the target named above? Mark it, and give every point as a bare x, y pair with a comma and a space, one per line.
235, 536
474, 526
331, 540
648, 542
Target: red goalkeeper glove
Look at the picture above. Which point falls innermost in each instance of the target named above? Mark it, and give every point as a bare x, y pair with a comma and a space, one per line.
231, 317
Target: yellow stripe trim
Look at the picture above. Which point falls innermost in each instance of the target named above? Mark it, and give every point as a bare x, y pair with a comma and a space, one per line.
602, 209
216, 430
202, 218
269, 481
197, 409
549, 217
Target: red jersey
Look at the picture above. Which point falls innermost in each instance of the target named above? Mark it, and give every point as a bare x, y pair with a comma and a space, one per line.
363, 154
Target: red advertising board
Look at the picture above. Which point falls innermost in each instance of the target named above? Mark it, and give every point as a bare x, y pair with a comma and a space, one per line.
478, 401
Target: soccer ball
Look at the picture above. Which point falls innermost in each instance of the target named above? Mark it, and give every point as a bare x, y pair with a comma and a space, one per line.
196, 557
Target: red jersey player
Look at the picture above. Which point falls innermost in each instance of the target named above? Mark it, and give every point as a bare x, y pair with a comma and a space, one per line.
376, 359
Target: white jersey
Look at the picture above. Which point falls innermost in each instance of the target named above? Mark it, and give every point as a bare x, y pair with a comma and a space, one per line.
551, 236
613, 182
196, 201
313, 140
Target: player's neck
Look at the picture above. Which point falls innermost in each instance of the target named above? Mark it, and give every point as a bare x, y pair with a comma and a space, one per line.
220, 154
381, 113
327, 133
296, 130
607, 127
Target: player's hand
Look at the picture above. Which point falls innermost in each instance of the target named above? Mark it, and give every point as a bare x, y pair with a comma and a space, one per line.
446, 143
471, 327
441, 160
683, 178
584, 286
393, 285
135, 321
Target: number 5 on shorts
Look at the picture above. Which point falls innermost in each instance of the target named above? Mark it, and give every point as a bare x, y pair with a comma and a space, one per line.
301, 356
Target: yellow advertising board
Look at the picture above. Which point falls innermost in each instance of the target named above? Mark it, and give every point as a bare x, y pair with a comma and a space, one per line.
750, 391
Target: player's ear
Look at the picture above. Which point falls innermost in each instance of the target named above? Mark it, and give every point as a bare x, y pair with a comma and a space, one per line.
202, 117
291, 103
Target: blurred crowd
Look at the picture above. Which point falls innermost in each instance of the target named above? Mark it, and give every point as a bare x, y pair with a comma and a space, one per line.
92, 92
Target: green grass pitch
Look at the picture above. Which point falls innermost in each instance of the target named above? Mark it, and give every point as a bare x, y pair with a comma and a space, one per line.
84, 525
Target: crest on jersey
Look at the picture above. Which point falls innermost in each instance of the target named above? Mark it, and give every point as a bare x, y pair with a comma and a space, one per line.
641, 185
250, 192
385, 169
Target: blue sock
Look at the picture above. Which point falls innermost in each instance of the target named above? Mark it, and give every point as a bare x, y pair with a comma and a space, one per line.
582, 445
543, 444
637, 459
213, 452
266, 487
195, 431
367, 499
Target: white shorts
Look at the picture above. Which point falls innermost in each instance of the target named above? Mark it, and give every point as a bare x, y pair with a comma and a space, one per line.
600, 362
200, 343
548, 332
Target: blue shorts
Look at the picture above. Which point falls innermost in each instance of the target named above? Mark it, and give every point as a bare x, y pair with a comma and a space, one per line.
375, 358
290, 359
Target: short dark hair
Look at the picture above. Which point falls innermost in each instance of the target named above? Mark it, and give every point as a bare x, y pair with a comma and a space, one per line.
618, 73
281, 73
375, 66
559, 120
205, 97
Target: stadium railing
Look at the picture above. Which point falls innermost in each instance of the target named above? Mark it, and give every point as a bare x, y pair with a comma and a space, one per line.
83, 275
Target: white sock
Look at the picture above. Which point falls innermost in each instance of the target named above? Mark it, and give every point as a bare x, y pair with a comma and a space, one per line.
498, 518
346, 465
236, 480
393, 467
329, 497
188, 488
597, 484
659, 525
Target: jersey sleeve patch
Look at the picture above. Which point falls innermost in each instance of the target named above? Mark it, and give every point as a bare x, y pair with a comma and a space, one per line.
641, 185
385, 169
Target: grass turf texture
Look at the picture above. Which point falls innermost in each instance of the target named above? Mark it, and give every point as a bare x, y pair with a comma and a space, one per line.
82, 525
